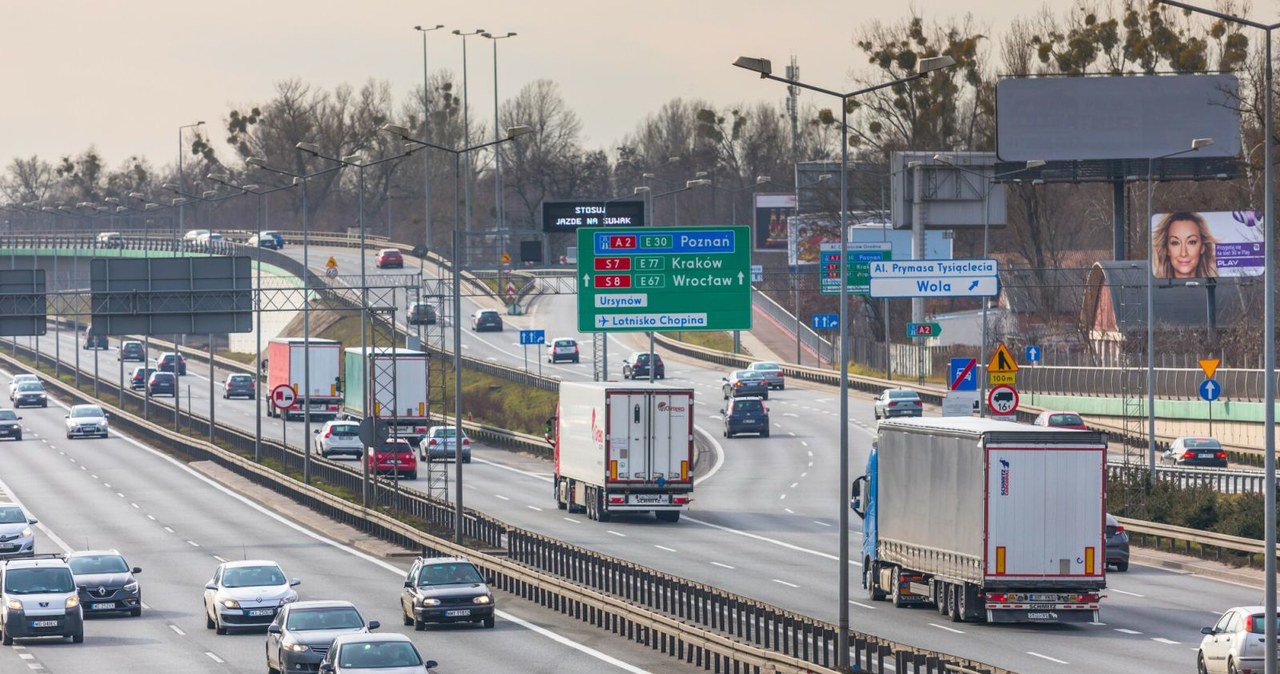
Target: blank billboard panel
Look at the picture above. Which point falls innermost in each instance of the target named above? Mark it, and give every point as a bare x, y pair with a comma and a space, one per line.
1138, 117
23, 305
171, 296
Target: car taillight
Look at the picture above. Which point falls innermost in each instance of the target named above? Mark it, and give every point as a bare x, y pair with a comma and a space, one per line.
891, 403
737, 383
1222, 455
1119, 528
617, 499
328, 434
1248, 623
466, 442
1188, 455
998, 598
575, 348
679, 500
432, 443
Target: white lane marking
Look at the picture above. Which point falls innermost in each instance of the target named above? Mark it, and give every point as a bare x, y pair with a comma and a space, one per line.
1166, 641
570, 519
1125, 631
135, 505
573, 644
789, 511
26, 656
944, 627
764, 539
825, 524
41, 526
214, 657
782, 497
790, 414
193, 544
534, 507
177, 630
168, 529
1131, 594
151, 517
120, 494
803, 443
804, 474
504, 498
858, 603
220, 559
723, 566
106, 485
783, 582
616, 533
1097, 624
810, 452
1061, 662
793, 485
663, 547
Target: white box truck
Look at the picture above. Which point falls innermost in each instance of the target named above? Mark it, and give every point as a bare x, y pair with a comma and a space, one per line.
287, 361
624, 448
396, 389
985, 519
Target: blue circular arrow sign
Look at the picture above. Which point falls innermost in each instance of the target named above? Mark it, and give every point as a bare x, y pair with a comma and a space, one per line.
1210, 390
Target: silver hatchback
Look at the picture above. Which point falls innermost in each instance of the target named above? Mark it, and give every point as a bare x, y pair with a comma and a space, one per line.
339, 437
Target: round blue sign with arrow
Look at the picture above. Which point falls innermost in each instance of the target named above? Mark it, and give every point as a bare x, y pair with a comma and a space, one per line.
1210, 390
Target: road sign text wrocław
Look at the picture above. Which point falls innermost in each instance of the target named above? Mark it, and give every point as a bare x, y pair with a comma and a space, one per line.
670, 278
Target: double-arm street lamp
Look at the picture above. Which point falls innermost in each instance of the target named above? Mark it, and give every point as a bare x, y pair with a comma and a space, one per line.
512, 134
1268, 327
764, 68
426, 133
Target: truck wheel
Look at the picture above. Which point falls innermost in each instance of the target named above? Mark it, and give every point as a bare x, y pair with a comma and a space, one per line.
895, 595
874, 593
667, 515
555, 491
602, 515
940, 596
957, 603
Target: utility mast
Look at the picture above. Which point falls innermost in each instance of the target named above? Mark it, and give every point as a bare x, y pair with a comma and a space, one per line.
793, 104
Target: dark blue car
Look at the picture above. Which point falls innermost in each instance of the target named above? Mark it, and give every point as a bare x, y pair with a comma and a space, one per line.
746, 415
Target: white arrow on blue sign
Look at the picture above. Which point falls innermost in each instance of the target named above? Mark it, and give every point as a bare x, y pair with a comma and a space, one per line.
528, 337
826, 321
1033, 354
1210, 390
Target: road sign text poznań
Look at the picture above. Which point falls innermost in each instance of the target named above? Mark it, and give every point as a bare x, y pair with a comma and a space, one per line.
691, 278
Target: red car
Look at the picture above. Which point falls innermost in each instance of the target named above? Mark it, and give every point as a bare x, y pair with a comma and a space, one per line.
1069, 420
389, 258
395, 456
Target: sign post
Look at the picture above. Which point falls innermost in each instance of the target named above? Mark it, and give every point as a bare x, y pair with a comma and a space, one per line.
1209, 388
283, 397
534, 337
673, 278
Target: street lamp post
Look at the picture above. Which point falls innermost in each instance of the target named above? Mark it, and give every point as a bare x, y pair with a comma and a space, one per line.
765, 69
512, 133
426, 133
466, 123
1196, 144
182, 178
497, 154
733, 203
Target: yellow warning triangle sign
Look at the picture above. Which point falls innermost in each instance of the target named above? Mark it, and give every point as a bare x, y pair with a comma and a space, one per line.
1209, 365
1002, 360
331, 263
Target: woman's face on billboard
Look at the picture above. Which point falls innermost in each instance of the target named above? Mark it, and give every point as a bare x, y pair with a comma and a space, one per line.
1185, 245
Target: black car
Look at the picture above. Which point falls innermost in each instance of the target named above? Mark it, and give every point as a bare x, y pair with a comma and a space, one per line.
9, 426
445, 590
93, 339
239, 386
1196, 451
132, 350
486, 319
1117, 545
745, 415
106, 582
172, 362
30, 394
422, 314
162, 382
138, 378
744, 383
637, 365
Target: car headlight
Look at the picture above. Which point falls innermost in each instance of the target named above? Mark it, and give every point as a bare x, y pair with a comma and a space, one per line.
290, 645
430, 601
14, 605
26, 533
131, 587
73, 601
484, 600
230, 603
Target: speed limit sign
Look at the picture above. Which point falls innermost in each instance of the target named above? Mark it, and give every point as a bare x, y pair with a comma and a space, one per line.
283, 396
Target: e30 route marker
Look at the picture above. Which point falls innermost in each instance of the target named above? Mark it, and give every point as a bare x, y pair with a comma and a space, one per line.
283, 396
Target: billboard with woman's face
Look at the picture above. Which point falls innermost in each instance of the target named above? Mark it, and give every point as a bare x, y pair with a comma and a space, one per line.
1190, 245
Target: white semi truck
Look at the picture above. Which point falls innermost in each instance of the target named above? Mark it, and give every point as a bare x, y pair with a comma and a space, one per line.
624, 448
985, 519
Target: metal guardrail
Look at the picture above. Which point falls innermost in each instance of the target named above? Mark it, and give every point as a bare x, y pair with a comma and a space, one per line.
780, 638
1221, 480
1193, 542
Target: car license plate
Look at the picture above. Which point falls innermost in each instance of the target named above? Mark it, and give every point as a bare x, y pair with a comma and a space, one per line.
1042, 597
8, 548
1206, 455
649, 498
44, 623
394, 462
261, 612
100, 607
457, 613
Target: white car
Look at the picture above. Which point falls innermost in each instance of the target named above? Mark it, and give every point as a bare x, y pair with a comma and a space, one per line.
562, 348
374, 653
195, 234
208, 237
247, 593
86, 421
339, 437
1234, 643
18, 379
438, 445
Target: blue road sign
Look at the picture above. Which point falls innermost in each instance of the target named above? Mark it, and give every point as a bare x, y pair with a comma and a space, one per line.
963, 374
826, 321
1210, 390
1033, 354
528, 337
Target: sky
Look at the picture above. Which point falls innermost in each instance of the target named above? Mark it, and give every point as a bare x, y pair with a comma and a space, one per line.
124, 75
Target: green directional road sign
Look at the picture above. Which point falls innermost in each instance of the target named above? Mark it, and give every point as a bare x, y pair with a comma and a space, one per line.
861, 255
669, 278
924, 330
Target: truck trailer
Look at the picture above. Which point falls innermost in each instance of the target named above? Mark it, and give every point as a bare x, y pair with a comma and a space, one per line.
624, 448
985, 520
287, 362
395, 391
